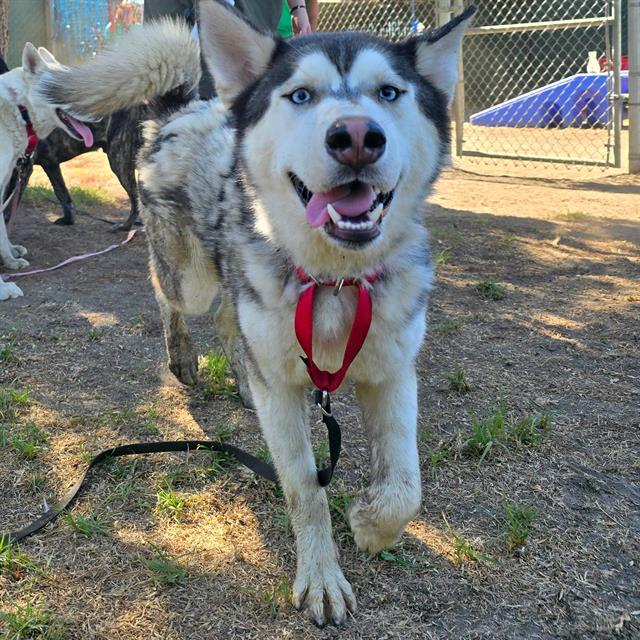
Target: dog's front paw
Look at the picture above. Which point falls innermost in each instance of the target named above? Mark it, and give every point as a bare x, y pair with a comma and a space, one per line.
18, 251
9, 290
323, 591
16, 263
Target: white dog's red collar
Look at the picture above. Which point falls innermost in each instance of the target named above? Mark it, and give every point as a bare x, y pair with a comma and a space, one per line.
325, 380
32, 136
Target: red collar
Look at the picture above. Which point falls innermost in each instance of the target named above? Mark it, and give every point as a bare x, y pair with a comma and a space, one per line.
32, 136
325, 380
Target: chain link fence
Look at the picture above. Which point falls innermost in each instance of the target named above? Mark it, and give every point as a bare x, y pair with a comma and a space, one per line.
393, 19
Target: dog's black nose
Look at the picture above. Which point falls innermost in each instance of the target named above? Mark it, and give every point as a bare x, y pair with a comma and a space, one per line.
355, 141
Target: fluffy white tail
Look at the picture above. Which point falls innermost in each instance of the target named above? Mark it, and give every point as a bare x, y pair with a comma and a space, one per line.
147, 62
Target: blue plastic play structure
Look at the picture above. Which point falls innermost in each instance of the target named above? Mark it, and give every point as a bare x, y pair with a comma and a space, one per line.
580, 100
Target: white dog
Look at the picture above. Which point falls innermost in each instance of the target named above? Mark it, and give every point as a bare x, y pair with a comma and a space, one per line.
24, 112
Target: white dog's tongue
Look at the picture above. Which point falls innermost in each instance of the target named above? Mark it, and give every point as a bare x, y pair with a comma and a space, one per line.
348, 200
82, 129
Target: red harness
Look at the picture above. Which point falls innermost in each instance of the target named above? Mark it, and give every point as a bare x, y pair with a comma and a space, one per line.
325, 380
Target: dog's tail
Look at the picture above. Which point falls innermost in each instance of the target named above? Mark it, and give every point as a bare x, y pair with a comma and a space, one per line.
160, 58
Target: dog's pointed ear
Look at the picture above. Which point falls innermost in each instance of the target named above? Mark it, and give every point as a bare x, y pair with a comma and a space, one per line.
235, 52
31, 60
47, 56
437, 52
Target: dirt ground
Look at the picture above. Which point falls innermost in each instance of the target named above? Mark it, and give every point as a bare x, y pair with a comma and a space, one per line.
190, 547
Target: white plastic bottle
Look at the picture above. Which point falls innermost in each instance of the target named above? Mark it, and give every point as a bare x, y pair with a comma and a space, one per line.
593, 66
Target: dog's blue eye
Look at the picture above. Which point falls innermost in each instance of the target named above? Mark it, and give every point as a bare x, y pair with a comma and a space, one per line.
300, 96
388, 93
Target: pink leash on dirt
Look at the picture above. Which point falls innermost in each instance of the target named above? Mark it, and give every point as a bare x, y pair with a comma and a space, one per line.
64, 263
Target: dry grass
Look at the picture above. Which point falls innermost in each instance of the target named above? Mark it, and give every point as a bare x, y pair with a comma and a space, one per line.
218, 561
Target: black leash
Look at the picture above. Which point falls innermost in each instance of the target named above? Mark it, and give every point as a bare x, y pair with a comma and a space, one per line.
259, 467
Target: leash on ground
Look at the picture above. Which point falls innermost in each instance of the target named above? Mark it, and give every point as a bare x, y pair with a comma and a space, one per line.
64, 263
258, 466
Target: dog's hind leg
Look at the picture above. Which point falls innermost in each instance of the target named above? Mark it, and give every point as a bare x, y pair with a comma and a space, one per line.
379, 515
62, 193
185, 283
320, 586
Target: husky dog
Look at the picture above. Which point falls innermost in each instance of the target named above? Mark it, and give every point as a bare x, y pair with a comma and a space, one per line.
17, 90
317, 159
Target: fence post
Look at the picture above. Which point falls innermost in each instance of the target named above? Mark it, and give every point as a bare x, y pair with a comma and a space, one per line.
458, 102
617, 87
634, 85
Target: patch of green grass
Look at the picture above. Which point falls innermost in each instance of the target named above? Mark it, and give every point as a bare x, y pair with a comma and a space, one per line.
490, 290
517, 525
169, 503
219, 462
437, 459
486, 433
225, 431
151, 416
13, 561
87, 526
116, 418
37, 483
321, 453
95, 334
91, 196
442, 257
465, 552
7, 354
216, 374
531, 429
81, 196
165, 570
277, 597
35, 194
448, 327
263, 453
396, 558
32, 622
458, 381
12, 401
29, 441
576, 216
500, 428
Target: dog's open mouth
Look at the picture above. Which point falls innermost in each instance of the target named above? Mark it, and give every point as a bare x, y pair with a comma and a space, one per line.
352, 212
75, 128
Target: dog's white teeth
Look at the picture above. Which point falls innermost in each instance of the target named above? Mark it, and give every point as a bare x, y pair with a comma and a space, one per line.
333, 214
374, 216
355, 226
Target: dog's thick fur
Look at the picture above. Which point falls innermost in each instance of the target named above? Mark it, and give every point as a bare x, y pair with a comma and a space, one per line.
222, 216
17, 88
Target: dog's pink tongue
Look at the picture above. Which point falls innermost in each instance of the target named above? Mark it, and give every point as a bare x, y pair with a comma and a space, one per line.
82, 129
347, 200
